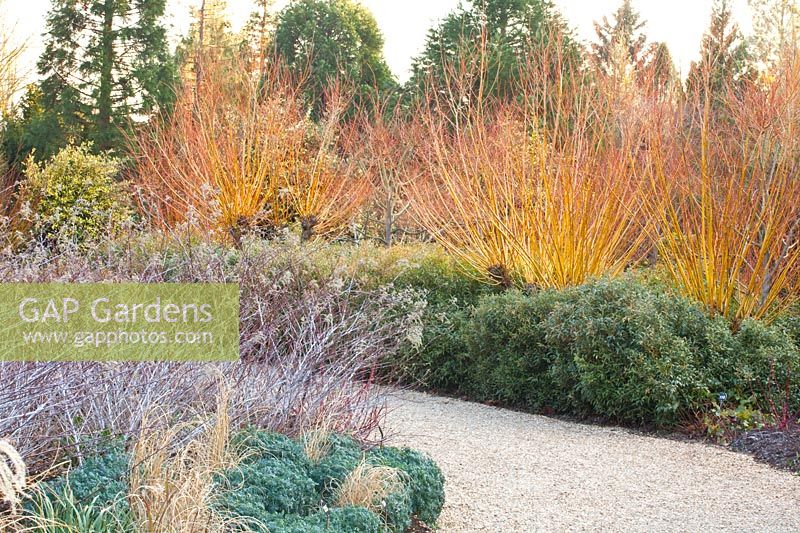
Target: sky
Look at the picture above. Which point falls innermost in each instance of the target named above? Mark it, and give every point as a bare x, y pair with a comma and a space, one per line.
679, 23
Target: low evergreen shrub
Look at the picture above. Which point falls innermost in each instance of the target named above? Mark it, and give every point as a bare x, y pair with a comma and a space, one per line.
102, 479
426, 482
343, 455
275, 487
631, 359
509, 359
627, 349
342, 520
450, 293
267, 486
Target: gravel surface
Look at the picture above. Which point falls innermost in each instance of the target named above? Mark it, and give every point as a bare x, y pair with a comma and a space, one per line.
510, 472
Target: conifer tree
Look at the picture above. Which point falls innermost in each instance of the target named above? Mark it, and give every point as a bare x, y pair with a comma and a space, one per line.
621, 43
210, 40
622, 51
258, 33
725, 60
105, 62
504, 35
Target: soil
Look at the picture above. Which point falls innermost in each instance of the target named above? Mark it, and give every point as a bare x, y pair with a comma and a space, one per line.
779, 448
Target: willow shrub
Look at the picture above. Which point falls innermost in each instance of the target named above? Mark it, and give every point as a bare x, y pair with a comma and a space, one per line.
240, 155
724, 199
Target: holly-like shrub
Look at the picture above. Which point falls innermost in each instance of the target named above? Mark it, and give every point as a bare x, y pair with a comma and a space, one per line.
450, 293
624, 349
509, 358
75, 197
630, 355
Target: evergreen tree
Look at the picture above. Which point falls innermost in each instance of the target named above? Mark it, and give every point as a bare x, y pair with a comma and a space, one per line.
210, 40
662, 73
10, 52
621, 43
33, 128
623, 54
258, 33
725, 60
505, 35
104, 62
327, 40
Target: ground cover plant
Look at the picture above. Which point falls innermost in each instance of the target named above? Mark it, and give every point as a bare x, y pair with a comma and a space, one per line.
201, 476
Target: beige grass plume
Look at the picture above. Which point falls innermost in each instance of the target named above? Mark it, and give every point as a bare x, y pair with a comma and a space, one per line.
13, 474
369, 486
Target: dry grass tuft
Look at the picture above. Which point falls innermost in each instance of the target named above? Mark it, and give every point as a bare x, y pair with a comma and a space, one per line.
171, 489
317, 443
369, 486
13, 475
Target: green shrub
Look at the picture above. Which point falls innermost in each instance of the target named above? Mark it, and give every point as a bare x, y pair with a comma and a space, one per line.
425, 479
266, 486
278, 485
75, 197
509, 359
343, 520
625, 349
443, 280
790, 323
253, 444
632, 362
102, 479
450, 293
343, 455
398, 508
275, 487
767, 366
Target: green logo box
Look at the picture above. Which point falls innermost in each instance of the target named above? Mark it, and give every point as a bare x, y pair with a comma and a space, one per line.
119, 322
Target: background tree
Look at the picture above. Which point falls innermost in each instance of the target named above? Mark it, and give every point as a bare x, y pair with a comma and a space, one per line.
502, 35
625, 33
776, 29
258, 33
104, 62
725, 61
35, 129
622, 52
327, 40
209, 40
10, 51
662, 67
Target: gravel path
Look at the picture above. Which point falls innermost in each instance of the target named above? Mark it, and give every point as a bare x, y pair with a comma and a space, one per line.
515, 472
